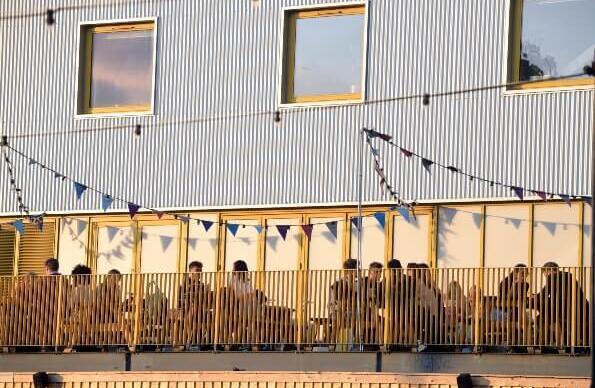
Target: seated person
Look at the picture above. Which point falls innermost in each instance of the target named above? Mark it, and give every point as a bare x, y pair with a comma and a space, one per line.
343, 305
195, 304
373, 300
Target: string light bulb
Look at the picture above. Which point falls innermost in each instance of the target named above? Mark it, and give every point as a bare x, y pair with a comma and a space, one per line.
137, 130
277, 117
50, 17
426, 99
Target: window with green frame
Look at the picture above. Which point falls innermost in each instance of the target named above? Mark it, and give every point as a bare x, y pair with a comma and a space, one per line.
117, 68
324, 54
551, 39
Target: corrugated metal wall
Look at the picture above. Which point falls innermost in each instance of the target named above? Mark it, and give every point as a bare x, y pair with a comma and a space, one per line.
217, 57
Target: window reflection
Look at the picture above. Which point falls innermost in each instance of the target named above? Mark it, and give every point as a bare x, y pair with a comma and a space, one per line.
328, 55
558, 38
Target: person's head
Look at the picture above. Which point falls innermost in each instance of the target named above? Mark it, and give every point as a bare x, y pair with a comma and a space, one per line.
412, 269
453, 290
195, 267
114, 276
350, 264
519, 272
394, 264
550, 268
240, 266
81, 273
375, 271
51, 266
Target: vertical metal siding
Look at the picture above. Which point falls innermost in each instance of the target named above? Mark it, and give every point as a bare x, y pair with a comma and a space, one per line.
217, 57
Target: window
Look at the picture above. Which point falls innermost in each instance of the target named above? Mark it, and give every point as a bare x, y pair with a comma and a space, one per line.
551, 39
118, 68
324, 55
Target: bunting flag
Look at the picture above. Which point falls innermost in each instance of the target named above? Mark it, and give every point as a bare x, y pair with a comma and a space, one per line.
372, 134
206, 224
159, 214
132, 209
381, 218
405, 152
19, 226
233, 229
375, 151
283, 229
477, 219
332, 227
184, 219
192, 242
404, 212
32, 162
566, 199
550, 226
258, 228
106, 202
308, 230
518, 191
588, 200
452, 169
165, 242
356, 222
540, 194
427, 163
80, 189
57, 175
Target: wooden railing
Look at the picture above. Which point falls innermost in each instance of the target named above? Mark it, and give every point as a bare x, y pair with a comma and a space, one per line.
457, 309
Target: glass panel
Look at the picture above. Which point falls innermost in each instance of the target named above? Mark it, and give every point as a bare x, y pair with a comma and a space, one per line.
372, 241
73, 243
411, 239
122, 69
328, 55
159, 248
202, 245
587, 236
326, 250
282, 254
507, 235
459, 237
242, 246
558, 38
556, 234
115, 247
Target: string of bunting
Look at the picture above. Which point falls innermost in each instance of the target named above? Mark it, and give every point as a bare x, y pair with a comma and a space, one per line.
134, 208
428, 163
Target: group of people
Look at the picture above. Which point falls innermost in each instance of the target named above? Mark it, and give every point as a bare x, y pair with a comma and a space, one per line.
409, 305
399, 306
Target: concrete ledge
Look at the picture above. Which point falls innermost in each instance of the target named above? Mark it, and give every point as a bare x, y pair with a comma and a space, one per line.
498, 364
62, 362
401, 363
335, 362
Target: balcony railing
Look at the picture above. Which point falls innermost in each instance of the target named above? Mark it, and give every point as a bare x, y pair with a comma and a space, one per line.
451, 309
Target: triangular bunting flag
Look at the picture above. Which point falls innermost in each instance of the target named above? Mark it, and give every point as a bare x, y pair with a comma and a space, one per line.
375, 152
381, 218
184, 219
132, 209
518, 191
550, 226
477, 219
19, 226
206, 224
540, 194
372, 134
356, 222
32, 162
57, 175
404, 212
588, 200
308, 230
80, 189
106, 202
81, 226
283, 230
405, 152
165, 242
233, 228
159, 214
258, 228
427, 163
452, 169
192, 242
332, 227
566, 199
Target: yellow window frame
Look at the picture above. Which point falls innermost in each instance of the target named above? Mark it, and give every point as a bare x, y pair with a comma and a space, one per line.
514, 71
88, 62
289, 68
